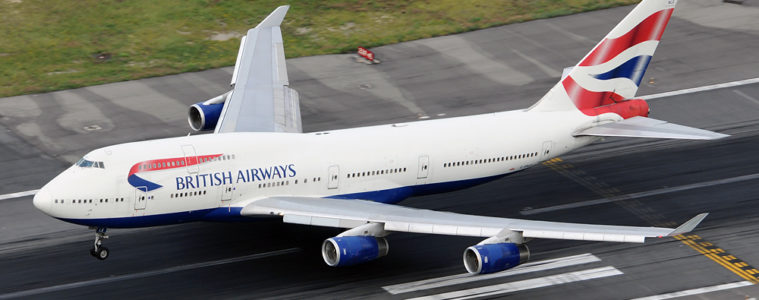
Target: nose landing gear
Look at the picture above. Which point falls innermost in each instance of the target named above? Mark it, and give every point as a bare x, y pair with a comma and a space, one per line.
98, 251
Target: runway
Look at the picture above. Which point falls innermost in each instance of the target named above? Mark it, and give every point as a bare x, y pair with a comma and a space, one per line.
501, 68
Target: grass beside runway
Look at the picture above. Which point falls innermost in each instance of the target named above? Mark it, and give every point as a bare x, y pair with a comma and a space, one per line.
53, 45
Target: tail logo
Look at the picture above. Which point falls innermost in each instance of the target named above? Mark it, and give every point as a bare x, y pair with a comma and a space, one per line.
613, 70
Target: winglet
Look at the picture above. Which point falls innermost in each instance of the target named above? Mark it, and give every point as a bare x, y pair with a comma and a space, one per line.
275, 18
689, 225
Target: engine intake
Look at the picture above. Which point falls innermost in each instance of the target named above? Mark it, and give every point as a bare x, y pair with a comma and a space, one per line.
204, 116
352, 250
491, 258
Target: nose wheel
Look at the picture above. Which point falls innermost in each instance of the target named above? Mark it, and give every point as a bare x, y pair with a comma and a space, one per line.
98, 250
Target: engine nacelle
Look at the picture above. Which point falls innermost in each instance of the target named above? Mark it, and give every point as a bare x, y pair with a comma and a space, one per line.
204, 116
350, 250
490, 258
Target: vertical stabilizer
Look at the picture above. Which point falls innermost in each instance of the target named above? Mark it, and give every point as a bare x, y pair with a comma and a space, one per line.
613, 70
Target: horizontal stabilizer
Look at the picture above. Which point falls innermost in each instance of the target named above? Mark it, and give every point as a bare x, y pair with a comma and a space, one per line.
650, 128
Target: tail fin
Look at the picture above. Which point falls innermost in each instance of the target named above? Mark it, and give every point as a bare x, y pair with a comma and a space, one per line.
613, 70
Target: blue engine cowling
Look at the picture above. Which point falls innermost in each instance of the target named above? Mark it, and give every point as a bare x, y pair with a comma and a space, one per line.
490, 258
350, 250
204, 116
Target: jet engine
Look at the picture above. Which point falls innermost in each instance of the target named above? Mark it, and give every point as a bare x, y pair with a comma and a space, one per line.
350, 250
204, 115
491, 258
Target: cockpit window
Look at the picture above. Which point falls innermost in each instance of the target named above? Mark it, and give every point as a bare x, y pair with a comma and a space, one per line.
84, 163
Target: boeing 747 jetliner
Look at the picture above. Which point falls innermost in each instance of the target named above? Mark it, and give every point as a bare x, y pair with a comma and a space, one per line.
259, 163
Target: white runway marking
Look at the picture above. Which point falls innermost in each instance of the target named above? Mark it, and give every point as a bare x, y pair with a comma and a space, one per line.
702, 89
543, 67
80, 284
742, 94
17, 195
698, 291
466, 278
641, 194
527, 284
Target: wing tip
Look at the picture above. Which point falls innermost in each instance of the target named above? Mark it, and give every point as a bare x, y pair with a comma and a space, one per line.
275, 18
689, 225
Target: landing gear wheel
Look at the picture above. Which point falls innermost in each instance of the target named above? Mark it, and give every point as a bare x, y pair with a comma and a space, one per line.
98, 251
101, 253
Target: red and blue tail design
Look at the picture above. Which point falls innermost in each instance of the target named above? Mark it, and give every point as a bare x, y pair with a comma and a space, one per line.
613, 70
162, 164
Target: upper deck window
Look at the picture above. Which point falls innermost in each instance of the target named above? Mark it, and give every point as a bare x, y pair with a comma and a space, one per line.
84, 163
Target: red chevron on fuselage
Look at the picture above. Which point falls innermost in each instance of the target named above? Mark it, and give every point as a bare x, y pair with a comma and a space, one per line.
163, 164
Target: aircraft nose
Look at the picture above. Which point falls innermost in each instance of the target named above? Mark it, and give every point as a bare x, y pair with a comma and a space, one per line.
42, 200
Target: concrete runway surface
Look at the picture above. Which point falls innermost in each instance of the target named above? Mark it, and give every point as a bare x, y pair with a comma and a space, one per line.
616, 181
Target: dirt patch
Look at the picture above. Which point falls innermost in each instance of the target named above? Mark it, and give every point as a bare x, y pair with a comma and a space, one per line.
347, 26
63, 72
223, 36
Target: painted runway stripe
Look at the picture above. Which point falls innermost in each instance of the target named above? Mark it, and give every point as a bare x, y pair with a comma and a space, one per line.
641, 194
697, 291
530, 267
17, 195
111, 279
527, 284
722, 257
744, 95
701, 89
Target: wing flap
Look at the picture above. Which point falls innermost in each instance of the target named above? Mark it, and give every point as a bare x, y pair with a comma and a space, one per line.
650, 128
342, 213
582, 236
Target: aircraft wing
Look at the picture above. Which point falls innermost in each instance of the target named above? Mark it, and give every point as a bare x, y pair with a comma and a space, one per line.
650, 128
353, 213
261, 99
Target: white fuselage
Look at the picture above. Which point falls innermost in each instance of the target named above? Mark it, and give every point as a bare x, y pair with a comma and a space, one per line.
386, 163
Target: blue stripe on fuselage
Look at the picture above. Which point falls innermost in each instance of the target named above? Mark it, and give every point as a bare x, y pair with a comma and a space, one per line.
232, 214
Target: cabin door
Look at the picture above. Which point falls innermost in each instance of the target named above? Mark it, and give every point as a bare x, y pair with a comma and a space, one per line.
546, 153
333, 181
190, 159
140, 198
424, 167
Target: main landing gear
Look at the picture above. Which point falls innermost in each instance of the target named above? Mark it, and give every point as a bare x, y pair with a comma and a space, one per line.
98, 250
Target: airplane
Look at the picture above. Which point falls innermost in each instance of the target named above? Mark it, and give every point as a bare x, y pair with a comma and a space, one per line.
258, 162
